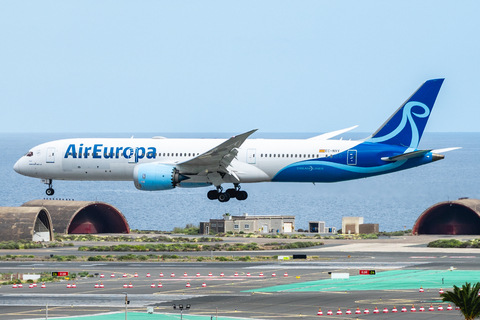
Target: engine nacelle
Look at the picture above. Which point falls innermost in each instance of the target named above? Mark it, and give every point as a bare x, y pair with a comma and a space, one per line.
156, 176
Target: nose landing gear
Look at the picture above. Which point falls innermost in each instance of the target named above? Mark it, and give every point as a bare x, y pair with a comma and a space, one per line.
50, 190
228, 194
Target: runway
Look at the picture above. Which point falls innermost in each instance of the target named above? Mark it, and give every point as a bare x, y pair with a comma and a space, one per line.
230, 295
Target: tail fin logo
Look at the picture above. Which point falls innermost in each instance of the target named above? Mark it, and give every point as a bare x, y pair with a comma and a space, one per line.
407, 117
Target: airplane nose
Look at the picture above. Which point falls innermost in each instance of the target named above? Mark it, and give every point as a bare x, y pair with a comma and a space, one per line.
16, 167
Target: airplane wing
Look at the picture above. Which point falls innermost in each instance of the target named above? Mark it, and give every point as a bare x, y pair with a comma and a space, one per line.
332, 134
216, 159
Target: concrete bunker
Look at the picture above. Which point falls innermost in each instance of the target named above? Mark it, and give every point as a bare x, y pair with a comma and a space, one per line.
83, 217
458, 217
22, 223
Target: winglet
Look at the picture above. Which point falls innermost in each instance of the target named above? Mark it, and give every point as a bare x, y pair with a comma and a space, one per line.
332, 134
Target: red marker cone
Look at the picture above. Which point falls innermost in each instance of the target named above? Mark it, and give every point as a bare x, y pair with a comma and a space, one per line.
319, 313
198, 274
43, 286
204, 285
404, 309
130, 285
261, 274
152, 285
188, 285
210, 274
366, 311
35, 284
30, 286
69, 285
185, 274
124, 275
329, 313
376, 310
221, 274
161, 275
441, 291
101, 285
285, 274
102, 276
112, 276
274, 275
172, 275
394, 310
248, 274
440, 308
14, 286
148, 275
431, 308
348, 311
358, 311
96, 286
125, 285
449, 307
422, 309
236, 274
20, 285
385, 310
413, 309
339, 312
421, 289
135, 275
160, 285
457, 308
74, 286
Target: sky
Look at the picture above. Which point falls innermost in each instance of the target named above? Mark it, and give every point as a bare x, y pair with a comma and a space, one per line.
232, 66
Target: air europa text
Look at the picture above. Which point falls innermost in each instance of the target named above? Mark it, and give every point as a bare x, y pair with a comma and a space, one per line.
98, 151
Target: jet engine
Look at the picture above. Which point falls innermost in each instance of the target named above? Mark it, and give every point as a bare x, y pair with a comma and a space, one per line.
156, 176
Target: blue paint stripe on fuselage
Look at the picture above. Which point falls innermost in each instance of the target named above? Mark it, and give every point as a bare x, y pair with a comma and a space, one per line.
335, 168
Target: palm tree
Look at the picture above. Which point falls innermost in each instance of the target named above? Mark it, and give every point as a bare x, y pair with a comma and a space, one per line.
466, 298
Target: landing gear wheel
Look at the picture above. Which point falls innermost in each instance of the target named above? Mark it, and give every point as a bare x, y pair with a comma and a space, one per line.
232, 193
242, 195
223, 197
212, 194
50, 192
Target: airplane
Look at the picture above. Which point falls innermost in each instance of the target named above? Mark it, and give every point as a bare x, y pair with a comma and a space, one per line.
159, 163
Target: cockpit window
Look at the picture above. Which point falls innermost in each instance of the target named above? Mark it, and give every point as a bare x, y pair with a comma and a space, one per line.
29, 154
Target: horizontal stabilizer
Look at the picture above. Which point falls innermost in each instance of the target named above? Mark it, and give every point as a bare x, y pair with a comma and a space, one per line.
445, 150
332, 134
405, 156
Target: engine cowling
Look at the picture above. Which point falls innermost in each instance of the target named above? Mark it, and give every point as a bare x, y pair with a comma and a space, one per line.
156, 176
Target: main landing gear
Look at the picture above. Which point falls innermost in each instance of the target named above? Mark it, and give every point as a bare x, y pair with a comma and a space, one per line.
50, 190
228, 194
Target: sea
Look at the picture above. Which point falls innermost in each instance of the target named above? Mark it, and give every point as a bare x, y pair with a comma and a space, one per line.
394, 201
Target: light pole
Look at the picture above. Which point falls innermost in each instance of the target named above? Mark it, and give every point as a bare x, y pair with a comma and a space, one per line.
126, 304
180, 306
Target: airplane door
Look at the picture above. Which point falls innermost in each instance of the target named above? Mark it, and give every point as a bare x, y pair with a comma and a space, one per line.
251, 156
50, 155
352, 157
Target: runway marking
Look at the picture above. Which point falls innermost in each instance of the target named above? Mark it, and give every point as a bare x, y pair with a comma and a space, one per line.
422, 257
462, 257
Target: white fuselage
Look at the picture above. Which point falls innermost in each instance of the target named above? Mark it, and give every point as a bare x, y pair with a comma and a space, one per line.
109, 160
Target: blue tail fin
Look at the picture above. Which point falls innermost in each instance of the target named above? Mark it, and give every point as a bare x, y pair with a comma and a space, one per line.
405, 127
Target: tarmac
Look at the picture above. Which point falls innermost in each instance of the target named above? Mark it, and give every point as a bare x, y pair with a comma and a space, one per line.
402, 264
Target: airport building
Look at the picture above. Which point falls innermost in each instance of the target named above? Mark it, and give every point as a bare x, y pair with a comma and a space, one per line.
31, 224
249, 224
457, 217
